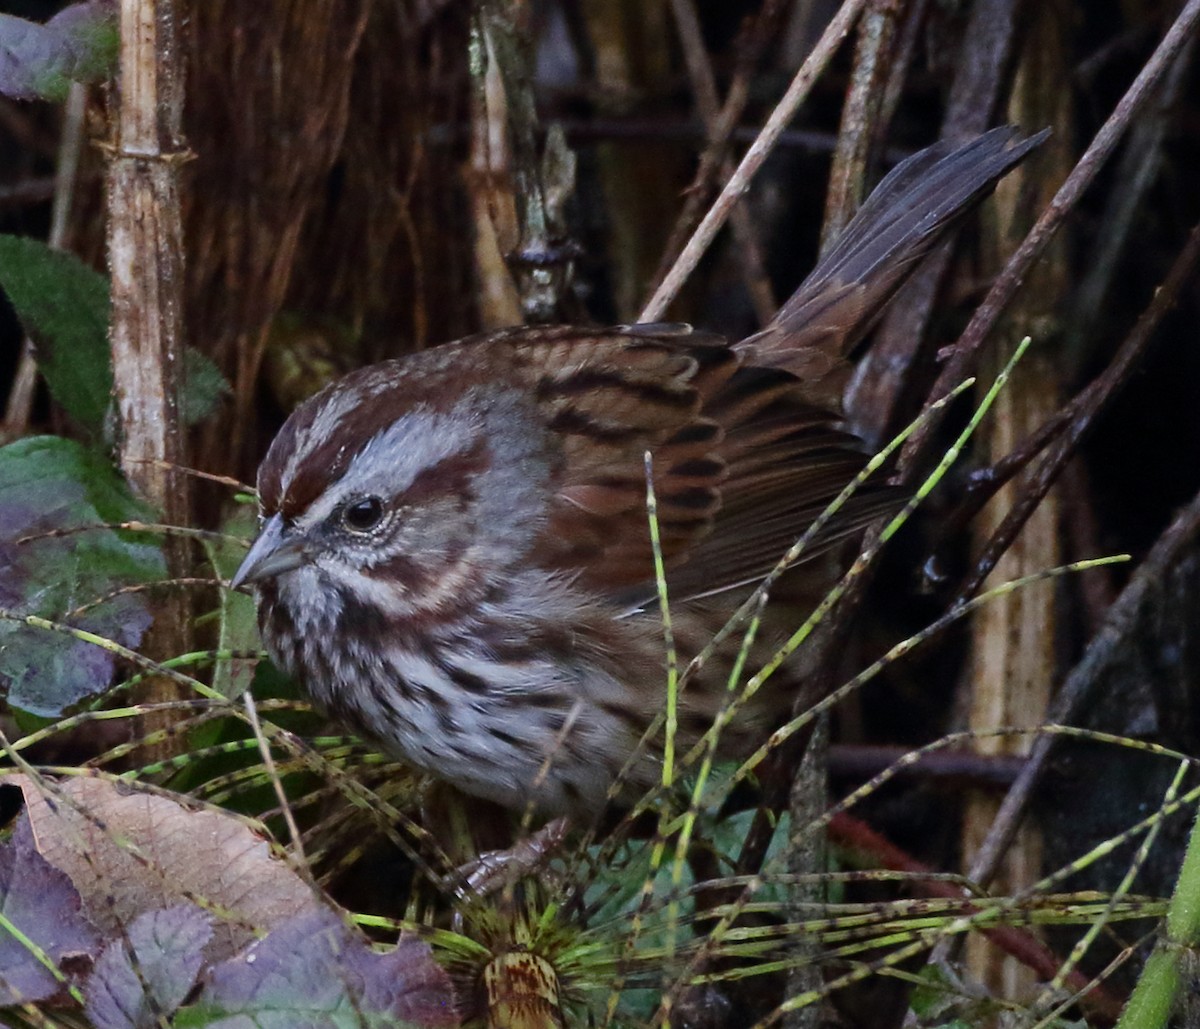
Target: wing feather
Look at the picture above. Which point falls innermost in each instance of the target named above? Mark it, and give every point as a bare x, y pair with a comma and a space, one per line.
742, 463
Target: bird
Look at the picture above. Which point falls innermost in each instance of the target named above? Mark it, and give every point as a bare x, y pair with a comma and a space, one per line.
455, 559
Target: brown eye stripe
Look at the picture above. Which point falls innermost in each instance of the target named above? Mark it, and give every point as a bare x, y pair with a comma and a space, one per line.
389, 391
451, 476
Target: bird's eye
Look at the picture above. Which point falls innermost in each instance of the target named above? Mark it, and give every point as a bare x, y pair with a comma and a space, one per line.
363, 515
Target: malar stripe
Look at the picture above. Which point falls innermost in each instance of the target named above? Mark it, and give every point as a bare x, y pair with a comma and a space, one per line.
360, 618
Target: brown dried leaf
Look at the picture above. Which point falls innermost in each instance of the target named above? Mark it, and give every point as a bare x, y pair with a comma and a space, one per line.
128, 852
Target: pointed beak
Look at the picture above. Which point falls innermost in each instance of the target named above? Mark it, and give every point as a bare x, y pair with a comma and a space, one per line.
272, 554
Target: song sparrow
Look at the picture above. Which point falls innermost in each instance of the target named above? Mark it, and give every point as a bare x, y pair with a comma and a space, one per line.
455, 559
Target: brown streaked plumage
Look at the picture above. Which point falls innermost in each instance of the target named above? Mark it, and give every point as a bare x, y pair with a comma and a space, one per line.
455, 557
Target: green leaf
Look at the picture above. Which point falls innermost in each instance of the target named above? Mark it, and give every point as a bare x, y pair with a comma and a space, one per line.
59, 561
63, 306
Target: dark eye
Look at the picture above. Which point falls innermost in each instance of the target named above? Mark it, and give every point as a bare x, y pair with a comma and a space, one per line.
363, 515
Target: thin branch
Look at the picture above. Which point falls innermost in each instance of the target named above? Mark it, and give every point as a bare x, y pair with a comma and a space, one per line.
1019, 265
860, 116
739, 182
28, 191
1059, 436
704, 86
540, 182
881, 382
854, 835
1139, 170
1180, 534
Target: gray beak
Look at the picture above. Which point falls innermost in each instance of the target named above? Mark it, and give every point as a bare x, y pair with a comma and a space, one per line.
272, 554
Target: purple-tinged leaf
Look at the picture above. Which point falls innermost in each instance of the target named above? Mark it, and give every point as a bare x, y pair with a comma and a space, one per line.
315, 972
89, 826
79, 44
39, 901
144, 978
407, 984
48, 488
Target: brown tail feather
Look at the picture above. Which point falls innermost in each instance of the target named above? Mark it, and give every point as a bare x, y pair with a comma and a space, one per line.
909, 213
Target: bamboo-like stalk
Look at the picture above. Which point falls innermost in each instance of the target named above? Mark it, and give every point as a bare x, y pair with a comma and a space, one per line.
1014, 640
145, 253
